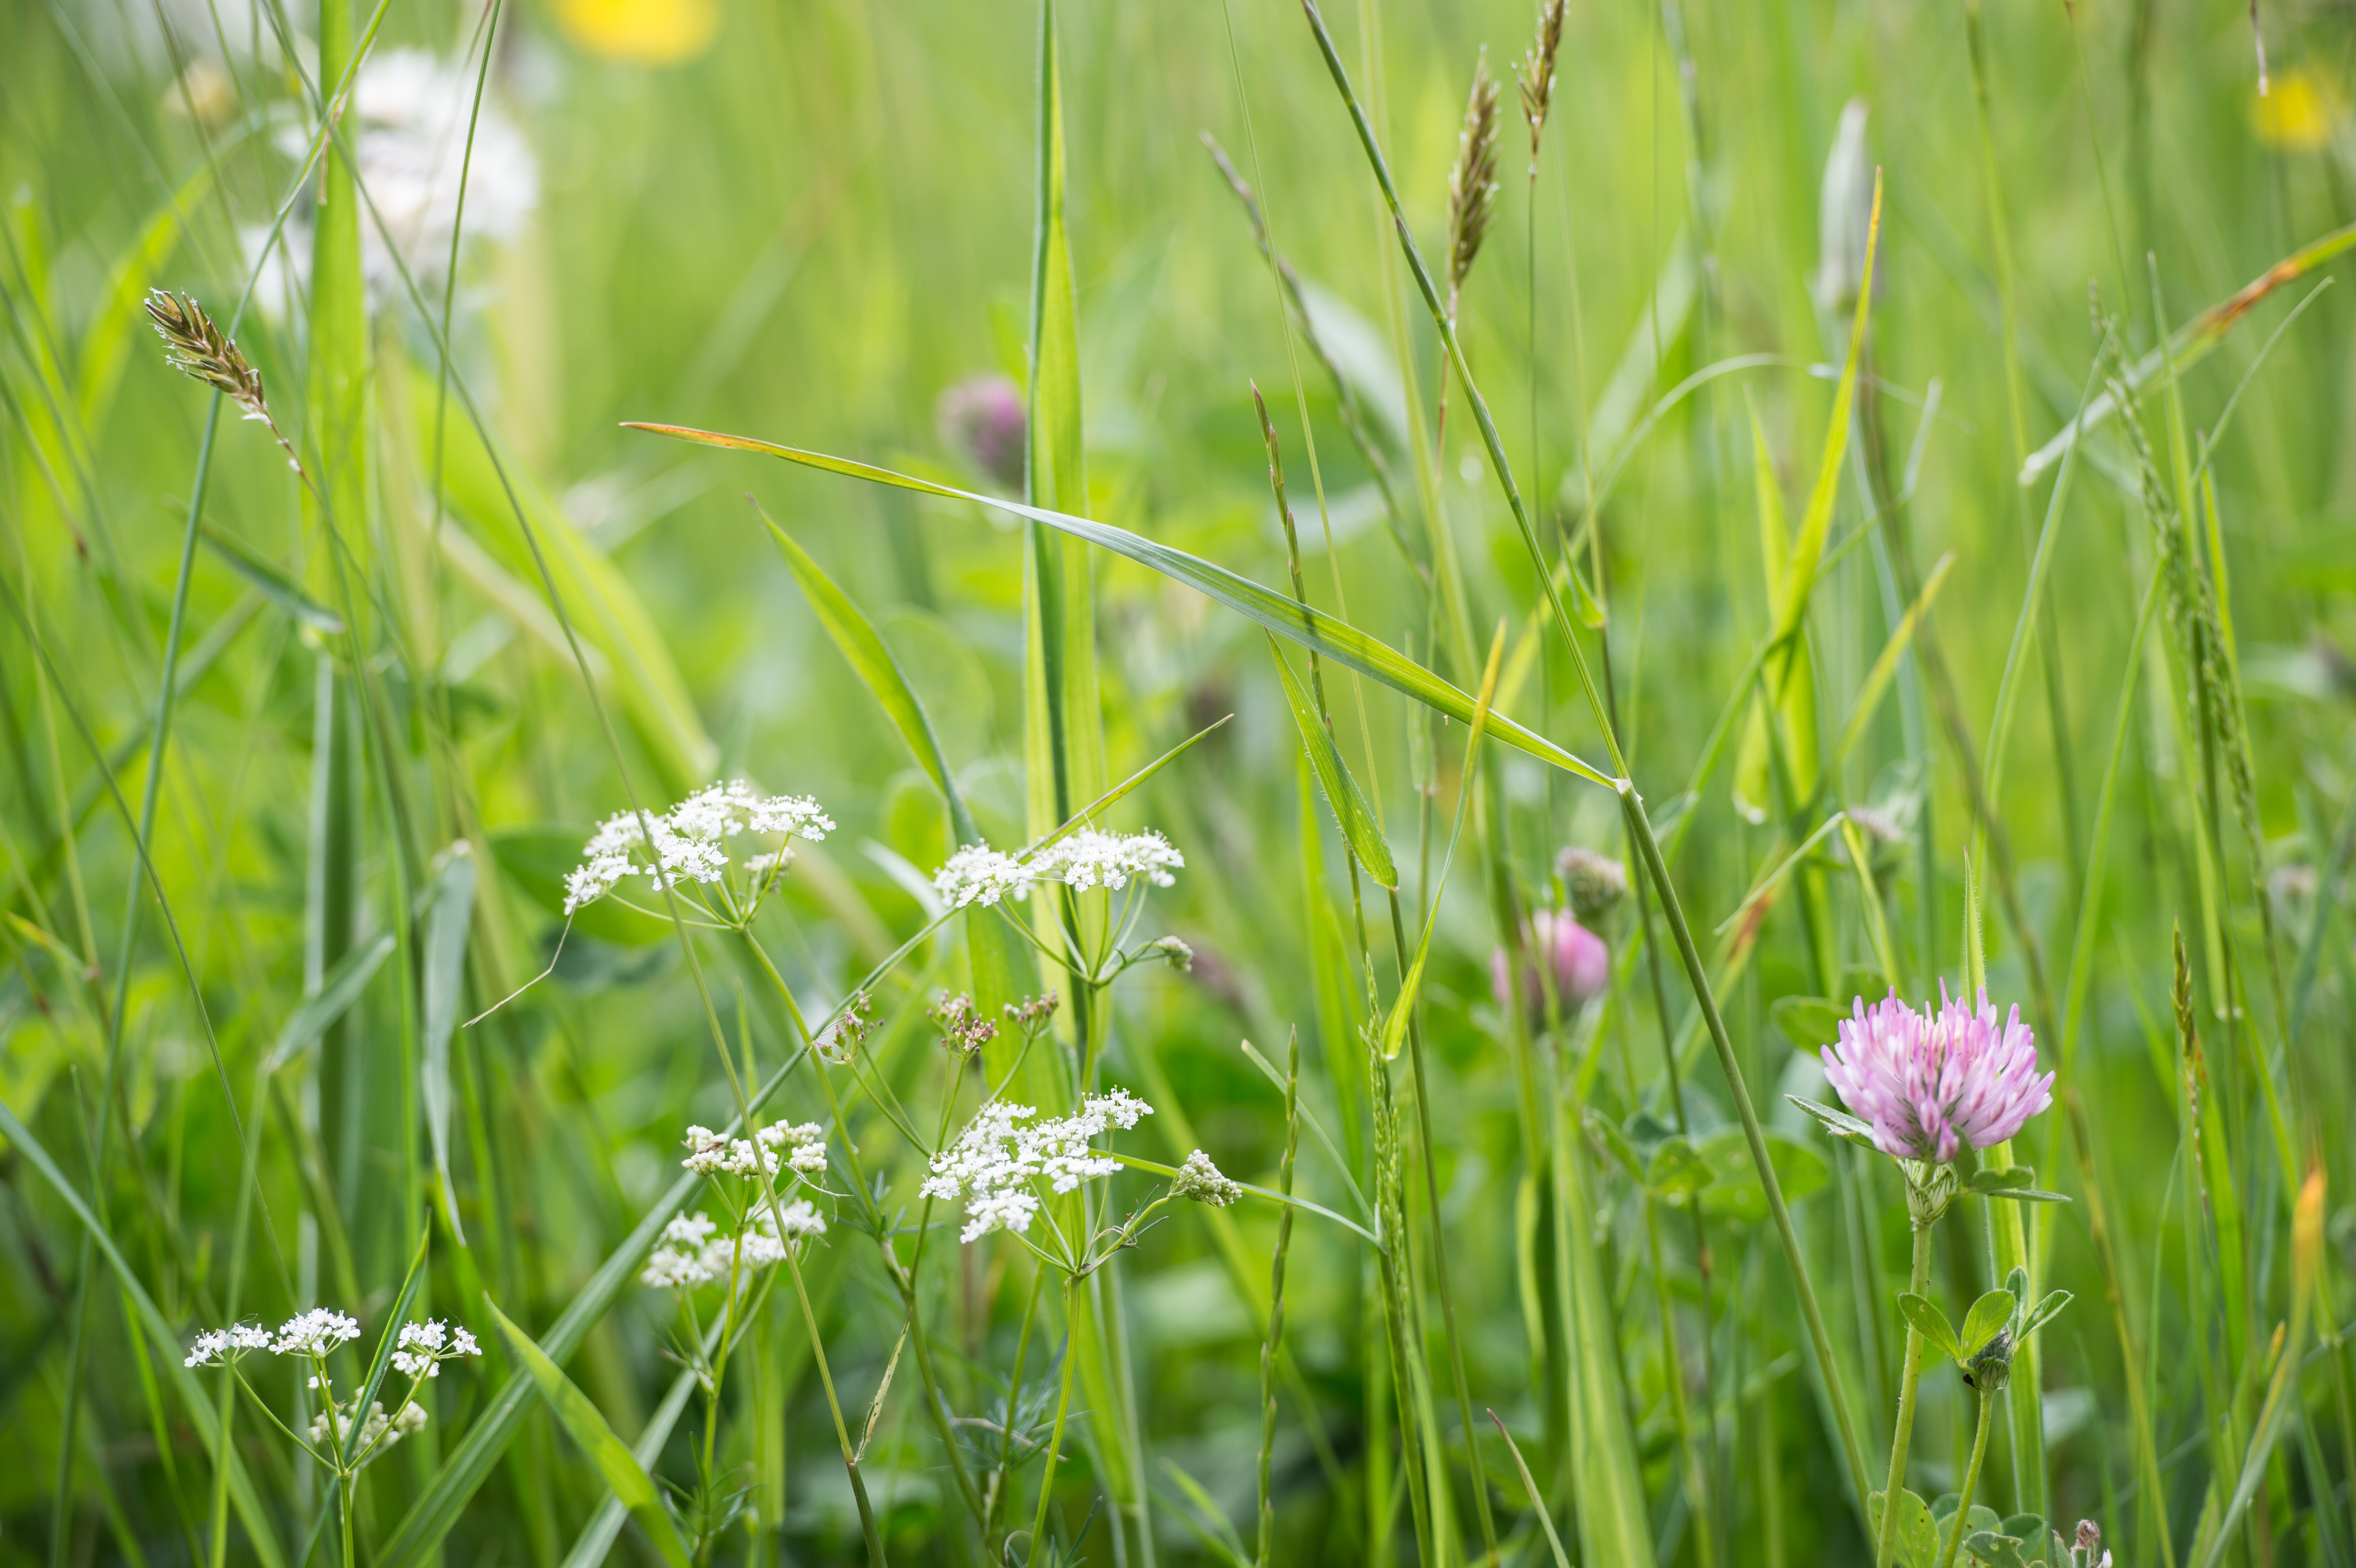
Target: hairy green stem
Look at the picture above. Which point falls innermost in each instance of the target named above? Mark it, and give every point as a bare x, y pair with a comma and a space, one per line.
1918, 1280
1971, 1482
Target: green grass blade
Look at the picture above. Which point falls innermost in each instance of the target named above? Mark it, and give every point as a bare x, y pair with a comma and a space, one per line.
2191, 342
339, 989
624, 1475
1360, 828
449, 919
1335, 639
202, 1415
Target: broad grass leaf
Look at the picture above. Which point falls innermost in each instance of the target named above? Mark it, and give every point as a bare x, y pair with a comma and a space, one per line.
1361, 828
449, 916
1336, 639
193, 1395
623, 1474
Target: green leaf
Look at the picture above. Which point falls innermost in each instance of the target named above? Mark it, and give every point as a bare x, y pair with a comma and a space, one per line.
1736, 1192
1313, 628
1604, 1130
991, 948
1838, 1123
202, 1415
1808, 1022
1918, 1537
2191, 342
2001, 1178
1988, 1314
863, 648
1360, 827
2044, 1312
1676, 1171
1997, 1550
447, 919
274, 585
2023, 1527
319, 1013
1931, 1323
623, 1474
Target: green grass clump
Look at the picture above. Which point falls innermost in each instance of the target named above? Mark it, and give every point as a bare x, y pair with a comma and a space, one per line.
1861, 508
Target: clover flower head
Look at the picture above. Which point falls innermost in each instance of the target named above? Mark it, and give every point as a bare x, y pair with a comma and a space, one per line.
1557, 949
1006, 1153
218, 1347
1931, 1083
313, 1333
1204, 1182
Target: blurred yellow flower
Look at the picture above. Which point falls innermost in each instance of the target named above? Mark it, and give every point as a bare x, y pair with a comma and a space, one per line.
649, 32
2299, 115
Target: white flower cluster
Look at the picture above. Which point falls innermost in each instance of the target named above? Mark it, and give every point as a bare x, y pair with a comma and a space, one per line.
218, 1347
409, 114
379, 1431
711, 1154
313, 1333
689, 842
695, 1252
998, 1162
424, 1347
1204, 1182
1088, 858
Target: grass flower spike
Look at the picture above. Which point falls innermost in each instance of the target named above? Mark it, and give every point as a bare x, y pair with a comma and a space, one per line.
1931, 1084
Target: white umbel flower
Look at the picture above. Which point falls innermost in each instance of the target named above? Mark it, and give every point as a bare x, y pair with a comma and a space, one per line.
979, 874
218, 1347
424, 1347
1090, 858
379, 1431
314, 1333
1006, 1153
689, 842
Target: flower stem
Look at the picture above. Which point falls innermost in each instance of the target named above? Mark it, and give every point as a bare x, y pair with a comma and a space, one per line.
1971, 1482
1917, 1280
1056, 1441
834, 1407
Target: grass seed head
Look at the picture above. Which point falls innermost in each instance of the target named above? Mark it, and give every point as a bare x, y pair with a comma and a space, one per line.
1534, 75
1472, 183
196, 346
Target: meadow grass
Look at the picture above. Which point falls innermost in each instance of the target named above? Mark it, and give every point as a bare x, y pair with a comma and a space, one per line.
677, 917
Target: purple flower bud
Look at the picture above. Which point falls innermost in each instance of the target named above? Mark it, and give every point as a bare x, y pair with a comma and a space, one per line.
981, 418
1577, 959
1930, 1083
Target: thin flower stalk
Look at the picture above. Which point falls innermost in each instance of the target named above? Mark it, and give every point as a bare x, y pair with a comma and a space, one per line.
1272, 1346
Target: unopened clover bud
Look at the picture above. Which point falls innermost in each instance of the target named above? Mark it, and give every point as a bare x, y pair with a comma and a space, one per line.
1929, 1190
1592, 882
1991, 1365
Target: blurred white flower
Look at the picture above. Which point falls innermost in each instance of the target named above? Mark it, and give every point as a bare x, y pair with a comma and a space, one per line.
408, 122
